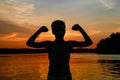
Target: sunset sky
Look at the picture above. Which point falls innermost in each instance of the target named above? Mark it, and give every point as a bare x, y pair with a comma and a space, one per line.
19, 19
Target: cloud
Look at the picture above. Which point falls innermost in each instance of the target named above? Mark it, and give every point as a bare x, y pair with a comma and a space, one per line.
16, 11
13, 1
7, 27
93, 32
13, 37
23, 11
107, 4
10, 36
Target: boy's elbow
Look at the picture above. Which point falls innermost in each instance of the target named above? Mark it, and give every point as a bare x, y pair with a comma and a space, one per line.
28, 44
90, 43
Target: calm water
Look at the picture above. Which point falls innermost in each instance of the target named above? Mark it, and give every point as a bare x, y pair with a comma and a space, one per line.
83, 67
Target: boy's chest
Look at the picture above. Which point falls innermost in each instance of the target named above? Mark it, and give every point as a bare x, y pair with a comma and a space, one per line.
56, 48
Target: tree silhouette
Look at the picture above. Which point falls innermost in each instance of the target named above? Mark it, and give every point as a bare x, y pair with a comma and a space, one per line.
111, 43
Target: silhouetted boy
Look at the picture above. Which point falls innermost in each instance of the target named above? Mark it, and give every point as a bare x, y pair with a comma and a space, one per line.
59, 50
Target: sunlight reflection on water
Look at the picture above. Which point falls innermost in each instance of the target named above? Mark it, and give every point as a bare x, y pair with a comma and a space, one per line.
83, 67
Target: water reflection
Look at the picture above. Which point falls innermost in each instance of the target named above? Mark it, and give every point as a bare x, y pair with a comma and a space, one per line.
83, 67
111, 69
19, 72
22, 67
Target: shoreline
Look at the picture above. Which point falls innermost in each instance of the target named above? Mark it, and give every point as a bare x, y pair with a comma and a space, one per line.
41, 51
29, 50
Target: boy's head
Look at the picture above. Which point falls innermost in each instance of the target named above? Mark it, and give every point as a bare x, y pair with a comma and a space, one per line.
58, 28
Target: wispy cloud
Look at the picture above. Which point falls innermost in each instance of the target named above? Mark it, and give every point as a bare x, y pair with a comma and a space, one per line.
107, 3
12, 37
16, 11
93, 32
7, 27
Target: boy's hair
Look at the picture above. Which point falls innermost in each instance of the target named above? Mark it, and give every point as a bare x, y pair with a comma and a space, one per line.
57, 22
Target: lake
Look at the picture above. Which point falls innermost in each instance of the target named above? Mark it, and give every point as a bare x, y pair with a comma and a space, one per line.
84, 66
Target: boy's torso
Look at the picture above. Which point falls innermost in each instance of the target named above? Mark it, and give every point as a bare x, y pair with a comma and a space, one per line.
59, 56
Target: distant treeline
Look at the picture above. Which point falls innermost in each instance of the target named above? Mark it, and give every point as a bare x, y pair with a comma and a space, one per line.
29, 50
110, 44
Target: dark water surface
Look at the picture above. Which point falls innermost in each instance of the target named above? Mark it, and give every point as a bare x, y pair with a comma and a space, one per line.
83, 66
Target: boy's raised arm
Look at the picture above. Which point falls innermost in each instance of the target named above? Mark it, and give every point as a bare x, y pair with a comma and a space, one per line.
85, 43
31, 41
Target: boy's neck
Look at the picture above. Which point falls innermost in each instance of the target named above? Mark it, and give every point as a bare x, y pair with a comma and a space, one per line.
59, 40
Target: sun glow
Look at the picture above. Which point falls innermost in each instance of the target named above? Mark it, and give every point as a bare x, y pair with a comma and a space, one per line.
20, 19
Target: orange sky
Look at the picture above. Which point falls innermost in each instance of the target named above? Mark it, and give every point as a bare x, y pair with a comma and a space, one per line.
21, 18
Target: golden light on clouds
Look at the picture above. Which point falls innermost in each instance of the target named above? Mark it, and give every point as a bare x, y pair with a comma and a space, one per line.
21, 18
12, 38
107, 3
